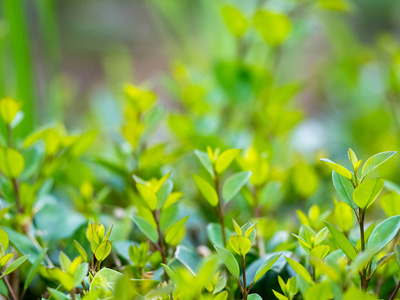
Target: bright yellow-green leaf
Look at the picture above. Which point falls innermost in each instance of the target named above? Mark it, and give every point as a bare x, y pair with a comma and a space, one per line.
237, 228
352, 157
148, 196
338, 168
320, 251
11, 162
225, 159
240, 244
343, 216
366, 193
273, 27
9, 109
4, 239
375, 161
103, 250
300, 270
342, 241
206, 189
265, 267
15, 264
161, 182
65, 262
390, 204
235, 20
175, 233
5, 259
229, 261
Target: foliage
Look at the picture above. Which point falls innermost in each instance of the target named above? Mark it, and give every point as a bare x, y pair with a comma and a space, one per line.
149, 207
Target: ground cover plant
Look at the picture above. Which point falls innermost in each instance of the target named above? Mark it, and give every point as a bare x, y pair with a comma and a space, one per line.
227, 174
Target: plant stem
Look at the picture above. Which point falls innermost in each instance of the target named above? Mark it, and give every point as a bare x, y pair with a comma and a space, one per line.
156, 216
10, 288
395, 291
72, 293
220, 212
363, 274
244, 290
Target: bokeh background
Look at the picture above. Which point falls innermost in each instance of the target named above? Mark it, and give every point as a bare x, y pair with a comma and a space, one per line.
292, 80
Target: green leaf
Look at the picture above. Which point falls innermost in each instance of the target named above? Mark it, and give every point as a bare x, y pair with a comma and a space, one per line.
234, 19
352, 157
254, 297
397, 253
229, 261
299, 269
103, 250
240, 244
383, 233
338, 168
234, 184
105, 279
214, 233
205, 161
345, 188
65, 262
15, 264
237, 228
4, 239
11, 162
146, 228
34, 268
342, 241
80, 273
365, 194
81, 251
9, 109
264, 268
148, 196
163, 193
225, 159
273, 27
175, 233
375, 161
206, 189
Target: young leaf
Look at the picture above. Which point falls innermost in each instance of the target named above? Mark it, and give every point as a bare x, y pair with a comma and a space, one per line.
9, 109
148, 195
383, 233
11, 162
352, 157
234, 19
229, 261
4, 240
173, 235
205, 161
206, 189
81, 251
15, 264
65, 262
103, 250
365, 194
342, 241
237, 228
225, 159
234, 184
254, 297
299, 269
264, 268
337, 168
146, 228
344, 187
240, 244
273, 27
375, 161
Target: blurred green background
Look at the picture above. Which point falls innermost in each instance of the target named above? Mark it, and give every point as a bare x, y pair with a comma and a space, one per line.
287, 81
